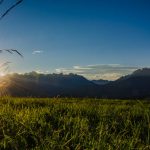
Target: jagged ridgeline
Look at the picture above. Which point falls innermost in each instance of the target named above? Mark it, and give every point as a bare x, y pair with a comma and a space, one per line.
132, 86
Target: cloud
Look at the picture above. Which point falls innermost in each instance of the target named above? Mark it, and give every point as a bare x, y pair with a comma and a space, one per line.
100, 71
37, 52
67, 70
42, 72
81, 68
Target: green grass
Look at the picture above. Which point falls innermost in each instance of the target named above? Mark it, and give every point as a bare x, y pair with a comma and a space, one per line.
75, 124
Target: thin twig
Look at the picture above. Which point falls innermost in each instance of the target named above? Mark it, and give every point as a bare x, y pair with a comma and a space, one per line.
11, 51
10, 8
5, 64
14, 50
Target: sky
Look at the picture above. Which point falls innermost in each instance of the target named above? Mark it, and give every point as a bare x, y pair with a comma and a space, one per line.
99, 39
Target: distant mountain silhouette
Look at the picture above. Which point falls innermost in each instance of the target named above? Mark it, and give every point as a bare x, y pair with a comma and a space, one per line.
101, 82
50, 85
135, 85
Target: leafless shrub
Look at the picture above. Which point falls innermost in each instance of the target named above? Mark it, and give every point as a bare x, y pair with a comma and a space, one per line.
5, 66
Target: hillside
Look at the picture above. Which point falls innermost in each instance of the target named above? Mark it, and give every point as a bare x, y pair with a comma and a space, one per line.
100, 82
135, 85
50, 85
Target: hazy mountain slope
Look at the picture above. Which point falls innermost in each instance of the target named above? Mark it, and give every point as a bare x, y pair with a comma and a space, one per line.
33, 84
101, 82
135, 85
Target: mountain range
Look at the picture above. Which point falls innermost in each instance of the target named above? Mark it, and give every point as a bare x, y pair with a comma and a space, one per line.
135, 86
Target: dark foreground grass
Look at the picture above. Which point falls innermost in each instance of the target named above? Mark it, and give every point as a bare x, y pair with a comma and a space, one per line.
75, 124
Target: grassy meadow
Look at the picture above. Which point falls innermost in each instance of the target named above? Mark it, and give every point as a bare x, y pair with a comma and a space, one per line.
74, 124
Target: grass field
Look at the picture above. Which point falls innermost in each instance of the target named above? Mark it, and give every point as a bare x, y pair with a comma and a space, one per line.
76, 124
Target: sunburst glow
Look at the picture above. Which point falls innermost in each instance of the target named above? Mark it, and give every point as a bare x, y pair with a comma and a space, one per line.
4, 83
2, 74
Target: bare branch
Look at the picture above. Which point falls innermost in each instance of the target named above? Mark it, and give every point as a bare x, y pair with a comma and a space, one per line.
5, 67
5, 64
14, 50
10, 8
11, 51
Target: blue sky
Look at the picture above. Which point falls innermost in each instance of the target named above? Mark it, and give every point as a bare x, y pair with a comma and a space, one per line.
58, 35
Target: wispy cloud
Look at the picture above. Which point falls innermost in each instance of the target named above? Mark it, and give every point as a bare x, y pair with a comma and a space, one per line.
37, 52
99, 71
42, 72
